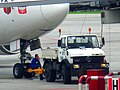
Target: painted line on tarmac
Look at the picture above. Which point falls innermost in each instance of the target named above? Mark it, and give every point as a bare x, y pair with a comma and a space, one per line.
62, 89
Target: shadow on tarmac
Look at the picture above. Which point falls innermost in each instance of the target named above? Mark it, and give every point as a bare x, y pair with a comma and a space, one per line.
73, 82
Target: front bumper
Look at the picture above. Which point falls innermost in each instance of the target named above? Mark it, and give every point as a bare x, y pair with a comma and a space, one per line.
81, 69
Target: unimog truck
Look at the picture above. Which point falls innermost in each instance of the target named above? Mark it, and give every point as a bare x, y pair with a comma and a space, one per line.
74, 55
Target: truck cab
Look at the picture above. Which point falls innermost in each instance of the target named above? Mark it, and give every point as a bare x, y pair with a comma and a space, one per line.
76, 54
79, 45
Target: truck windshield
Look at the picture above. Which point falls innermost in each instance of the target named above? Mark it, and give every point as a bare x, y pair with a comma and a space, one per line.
82, 42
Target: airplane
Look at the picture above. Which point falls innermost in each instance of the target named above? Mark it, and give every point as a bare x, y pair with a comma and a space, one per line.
20, 27
22, 22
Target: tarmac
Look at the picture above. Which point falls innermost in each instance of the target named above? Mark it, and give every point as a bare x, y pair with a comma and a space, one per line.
73, 24
35, 84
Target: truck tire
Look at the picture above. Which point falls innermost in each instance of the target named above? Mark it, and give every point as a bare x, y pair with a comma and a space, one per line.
66, 74
50, 74
27, 74
18, 70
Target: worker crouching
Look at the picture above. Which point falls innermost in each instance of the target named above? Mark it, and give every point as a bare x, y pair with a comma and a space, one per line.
36, 66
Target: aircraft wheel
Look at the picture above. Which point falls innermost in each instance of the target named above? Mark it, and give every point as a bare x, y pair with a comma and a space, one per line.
18, 70
27, 74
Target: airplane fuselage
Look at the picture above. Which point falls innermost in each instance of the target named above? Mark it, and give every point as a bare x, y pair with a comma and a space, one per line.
30, 22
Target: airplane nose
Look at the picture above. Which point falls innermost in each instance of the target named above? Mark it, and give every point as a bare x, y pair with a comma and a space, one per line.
55, 13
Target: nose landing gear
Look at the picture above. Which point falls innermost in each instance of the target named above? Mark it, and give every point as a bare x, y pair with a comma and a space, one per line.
20, 69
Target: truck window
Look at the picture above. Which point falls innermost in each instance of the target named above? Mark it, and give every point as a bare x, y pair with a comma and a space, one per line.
63, 43
83, 41
95, 42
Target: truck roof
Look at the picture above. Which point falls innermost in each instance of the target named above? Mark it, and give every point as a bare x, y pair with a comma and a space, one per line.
78, 35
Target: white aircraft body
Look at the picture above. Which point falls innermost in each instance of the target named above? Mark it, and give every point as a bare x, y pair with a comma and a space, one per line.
30, 22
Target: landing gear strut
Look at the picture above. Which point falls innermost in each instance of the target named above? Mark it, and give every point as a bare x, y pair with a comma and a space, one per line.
24, 55
20, 69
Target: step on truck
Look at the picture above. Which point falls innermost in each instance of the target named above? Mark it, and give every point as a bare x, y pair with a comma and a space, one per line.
74, 55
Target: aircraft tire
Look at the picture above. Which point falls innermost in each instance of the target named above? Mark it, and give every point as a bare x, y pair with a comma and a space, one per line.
18, 70
27, 74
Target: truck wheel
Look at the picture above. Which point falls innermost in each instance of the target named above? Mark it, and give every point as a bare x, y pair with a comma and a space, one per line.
18, 70
27, 74
50, 75
66, 74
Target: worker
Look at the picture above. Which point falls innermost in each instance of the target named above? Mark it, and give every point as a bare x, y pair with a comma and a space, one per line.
35, 64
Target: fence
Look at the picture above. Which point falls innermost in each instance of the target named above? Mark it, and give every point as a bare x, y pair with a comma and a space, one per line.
108, 82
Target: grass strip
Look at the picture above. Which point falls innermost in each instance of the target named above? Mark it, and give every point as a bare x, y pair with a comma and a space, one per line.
86, 12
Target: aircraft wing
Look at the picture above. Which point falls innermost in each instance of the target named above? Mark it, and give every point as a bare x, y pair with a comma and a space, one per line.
39, 2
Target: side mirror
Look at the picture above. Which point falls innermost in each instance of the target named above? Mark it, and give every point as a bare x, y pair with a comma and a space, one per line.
103, 41
59, 43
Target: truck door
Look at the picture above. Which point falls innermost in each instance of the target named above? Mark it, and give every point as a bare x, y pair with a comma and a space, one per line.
62, 49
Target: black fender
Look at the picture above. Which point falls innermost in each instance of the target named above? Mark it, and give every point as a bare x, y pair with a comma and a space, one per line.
45, 62
51, 63
66, 62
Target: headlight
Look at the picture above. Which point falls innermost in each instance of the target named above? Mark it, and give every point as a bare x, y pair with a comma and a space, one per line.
76, 66
105, 65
